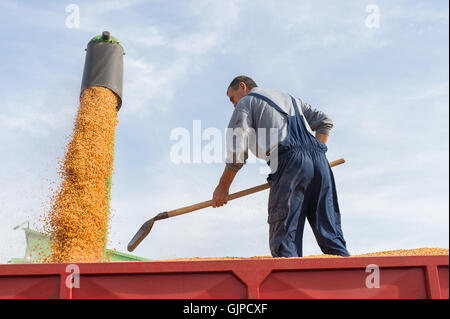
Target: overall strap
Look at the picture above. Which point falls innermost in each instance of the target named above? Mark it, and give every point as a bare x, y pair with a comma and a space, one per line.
294, 102
269, 101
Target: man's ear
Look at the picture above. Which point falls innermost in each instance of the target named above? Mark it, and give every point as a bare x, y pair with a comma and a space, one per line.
243, 86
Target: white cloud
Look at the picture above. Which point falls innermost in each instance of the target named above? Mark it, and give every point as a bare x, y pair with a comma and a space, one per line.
105, 7
150, 85
150, 37
152, 78
35, 113
436, 91
197, 43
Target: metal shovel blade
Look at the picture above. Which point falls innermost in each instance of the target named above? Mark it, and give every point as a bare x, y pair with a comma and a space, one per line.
141, 234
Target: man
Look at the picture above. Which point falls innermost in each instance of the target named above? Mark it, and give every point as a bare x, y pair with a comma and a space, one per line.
301, 182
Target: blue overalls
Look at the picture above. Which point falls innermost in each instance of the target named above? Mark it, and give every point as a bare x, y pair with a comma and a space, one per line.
302, 187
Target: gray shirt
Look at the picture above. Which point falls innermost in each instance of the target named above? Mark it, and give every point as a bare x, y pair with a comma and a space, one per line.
257, 126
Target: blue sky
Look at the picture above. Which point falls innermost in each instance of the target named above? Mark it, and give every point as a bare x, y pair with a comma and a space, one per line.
385, 88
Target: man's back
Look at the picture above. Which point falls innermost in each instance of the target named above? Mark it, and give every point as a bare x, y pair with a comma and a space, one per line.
263, 127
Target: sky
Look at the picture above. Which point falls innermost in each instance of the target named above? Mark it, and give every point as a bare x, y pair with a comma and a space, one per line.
379, 69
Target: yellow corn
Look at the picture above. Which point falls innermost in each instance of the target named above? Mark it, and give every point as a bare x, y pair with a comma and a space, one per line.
77, 222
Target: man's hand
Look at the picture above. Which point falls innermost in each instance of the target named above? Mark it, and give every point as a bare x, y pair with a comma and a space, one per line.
220, 196
322, 137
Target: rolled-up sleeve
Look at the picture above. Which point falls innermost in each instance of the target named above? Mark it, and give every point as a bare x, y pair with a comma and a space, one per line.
318, 121
237, 139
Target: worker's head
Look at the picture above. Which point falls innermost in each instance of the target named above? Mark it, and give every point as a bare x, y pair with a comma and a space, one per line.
240, 87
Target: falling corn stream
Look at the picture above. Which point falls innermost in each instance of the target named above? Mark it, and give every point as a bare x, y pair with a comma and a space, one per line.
77, 222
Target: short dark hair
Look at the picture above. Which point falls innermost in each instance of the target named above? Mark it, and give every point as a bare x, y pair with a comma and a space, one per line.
242, 78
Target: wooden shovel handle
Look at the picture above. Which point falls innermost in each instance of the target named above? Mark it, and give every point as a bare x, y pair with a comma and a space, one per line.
243, 193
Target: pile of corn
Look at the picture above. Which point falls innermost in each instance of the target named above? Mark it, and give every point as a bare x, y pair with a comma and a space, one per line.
399, 252
409, 252
77, 223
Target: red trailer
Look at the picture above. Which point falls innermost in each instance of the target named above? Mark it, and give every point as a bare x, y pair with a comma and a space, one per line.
390, 277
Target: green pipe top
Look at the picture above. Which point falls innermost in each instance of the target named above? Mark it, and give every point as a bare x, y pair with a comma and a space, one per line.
106, 37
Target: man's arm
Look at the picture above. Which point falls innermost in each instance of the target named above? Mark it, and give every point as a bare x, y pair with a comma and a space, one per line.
319, 122
237, 150
220, 196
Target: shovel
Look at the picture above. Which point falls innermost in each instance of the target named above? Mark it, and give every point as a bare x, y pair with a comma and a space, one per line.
147, 226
